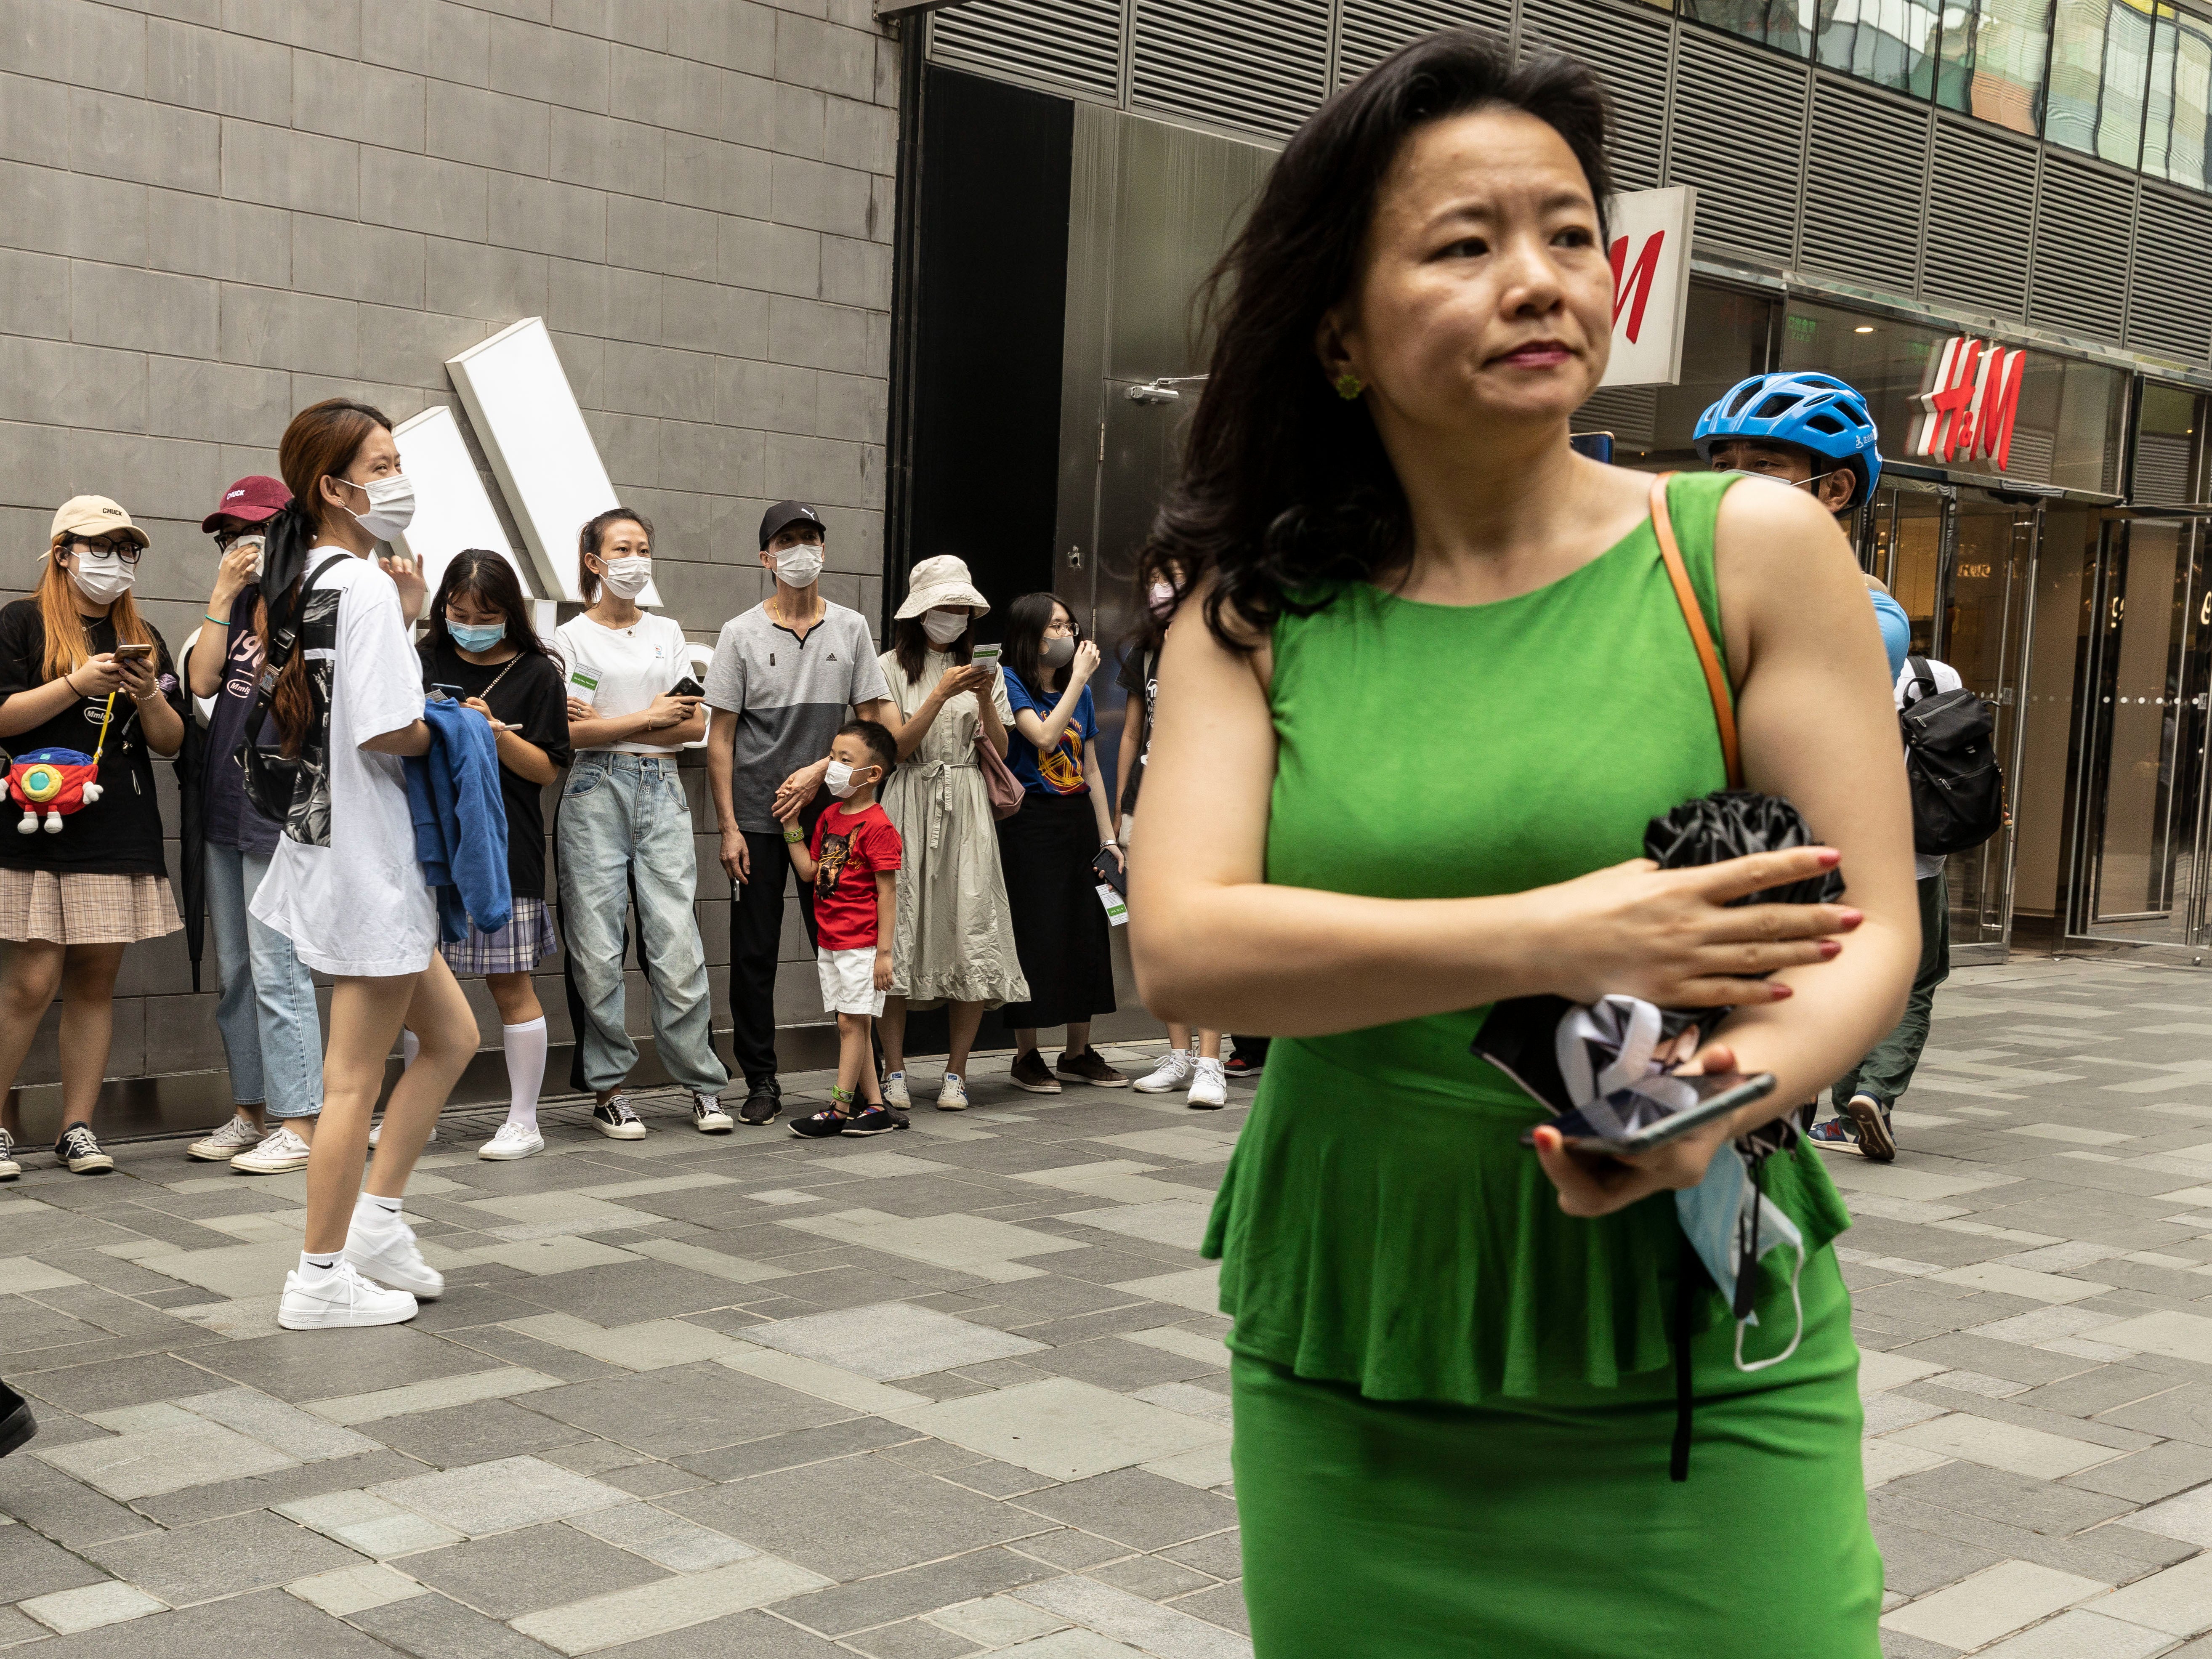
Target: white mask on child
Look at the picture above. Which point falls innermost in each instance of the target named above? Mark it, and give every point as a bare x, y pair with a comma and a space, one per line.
841, 780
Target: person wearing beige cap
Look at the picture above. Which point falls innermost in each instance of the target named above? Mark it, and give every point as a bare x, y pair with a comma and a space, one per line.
81, 670
954, 942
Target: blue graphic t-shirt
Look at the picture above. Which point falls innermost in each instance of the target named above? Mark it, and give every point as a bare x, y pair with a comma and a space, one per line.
1059, 771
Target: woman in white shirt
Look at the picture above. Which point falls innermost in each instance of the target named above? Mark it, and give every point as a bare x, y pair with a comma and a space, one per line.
624, 829
345, 885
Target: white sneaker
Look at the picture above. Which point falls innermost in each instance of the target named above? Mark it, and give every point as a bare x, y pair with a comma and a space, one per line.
708, 1117
1209, 1090
895, 1094
340, 1297
234, 1136
512, 1140
952, 1094
385, 1250
9, 1168
279, 1153
1174, 1071
377, 1128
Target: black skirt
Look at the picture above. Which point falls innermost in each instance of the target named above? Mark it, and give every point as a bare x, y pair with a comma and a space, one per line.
1060, 930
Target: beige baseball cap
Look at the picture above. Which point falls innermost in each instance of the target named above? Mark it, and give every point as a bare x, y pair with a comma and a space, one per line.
94, 515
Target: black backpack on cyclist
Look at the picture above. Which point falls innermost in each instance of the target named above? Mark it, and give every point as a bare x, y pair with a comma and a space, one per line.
1951, 758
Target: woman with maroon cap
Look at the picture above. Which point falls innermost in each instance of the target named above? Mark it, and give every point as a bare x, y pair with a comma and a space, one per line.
266, 1012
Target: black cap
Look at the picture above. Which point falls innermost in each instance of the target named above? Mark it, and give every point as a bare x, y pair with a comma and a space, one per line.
784, 513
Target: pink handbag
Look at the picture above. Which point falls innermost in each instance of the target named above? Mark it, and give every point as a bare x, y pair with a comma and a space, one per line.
999, 779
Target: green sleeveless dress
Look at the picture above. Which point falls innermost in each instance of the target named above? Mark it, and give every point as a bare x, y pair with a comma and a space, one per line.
1453, 1404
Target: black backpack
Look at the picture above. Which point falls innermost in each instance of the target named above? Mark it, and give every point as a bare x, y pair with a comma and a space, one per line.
1951, 758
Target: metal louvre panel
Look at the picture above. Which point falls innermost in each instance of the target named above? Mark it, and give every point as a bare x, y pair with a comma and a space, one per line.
2161, 468
1865, 161
1258, 65
2032, 455
2079, 280
1069, 43
1631, 413
1372, 29
1981, 215
2172, 309
1738, 131
1629, 49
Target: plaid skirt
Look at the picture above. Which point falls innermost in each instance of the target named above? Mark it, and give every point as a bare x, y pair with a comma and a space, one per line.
526, 941
78, 910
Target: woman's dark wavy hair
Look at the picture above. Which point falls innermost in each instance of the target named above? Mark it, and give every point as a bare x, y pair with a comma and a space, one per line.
1286, 491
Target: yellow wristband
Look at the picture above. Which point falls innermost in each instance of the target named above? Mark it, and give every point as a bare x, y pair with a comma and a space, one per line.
793, 837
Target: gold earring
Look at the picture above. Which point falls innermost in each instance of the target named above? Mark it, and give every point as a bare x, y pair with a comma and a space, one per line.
1349, 387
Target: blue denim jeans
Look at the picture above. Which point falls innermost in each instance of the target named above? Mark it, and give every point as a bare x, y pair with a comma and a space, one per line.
624, 821
272, 1033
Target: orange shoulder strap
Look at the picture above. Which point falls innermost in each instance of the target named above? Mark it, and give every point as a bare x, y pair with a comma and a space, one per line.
1701, 637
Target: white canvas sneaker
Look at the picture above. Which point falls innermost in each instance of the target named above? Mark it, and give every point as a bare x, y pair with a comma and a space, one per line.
279, 1153
340, 1297
1174, 1071
512, 1140
236, 1134
952, 1094
895, 1094
376, 1129
385, 1250
1209, 1090
708, 1117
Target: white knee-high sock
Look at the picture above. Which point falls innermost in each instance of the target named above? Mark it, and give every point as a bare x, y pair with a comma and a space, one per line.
409, 1045
525, 1068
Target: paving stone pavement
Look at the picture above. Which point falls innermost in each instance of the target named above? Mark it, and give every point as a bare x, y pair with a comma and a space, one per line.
962, 1389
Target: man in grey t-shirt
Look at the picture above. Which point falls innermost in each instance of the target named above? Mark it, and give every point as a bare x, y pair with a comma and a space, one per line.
783, 675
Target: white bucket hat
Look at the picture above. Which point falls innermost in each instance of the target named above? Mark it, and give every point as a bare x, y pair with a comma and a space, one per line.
941, 580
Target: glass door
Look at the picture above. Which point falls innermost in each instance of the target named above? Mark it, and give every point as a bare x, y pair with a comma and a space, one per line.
2142, 869
1984, 616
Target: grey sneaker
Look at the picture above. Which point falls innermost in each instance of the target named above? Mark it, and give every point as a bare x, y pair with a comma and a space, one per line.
236, 1134
279, 1153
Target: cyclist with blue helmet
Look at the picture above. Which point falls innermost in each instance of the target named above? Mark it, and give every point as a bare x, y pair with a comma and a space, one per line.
1812, 431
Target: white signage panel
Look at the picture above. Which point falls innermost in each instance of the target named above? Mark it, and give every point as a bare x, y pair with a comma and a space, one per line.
526, 414
452, 509
1651, 252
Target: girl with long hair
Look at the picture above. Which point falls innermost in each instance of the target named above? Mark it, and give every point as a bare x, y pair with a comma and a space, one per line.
954, 940
1047, 848
1430, 680
345, 885
81, 670
625, 829
479, 647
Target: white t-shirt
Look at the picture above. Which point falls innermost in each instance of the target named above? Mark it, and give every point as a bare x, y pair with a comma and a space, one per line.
620, 671
1926, 867
359, 907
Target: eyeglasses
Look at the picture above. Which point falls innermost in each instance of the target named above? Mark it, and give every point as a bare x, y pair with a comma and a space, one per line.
226, 540
126, 552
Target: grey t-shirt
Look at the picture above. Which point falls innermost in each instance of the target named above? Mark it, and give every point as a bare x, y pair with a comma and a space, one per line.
790, 697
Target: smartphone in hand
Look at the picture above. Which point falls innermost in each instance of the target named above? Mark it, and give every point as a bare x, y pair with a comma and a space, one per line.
1654, 1111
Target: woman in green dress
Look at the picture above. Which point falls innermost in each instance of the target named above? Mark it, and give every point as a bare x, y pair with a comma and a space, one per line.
1428, 682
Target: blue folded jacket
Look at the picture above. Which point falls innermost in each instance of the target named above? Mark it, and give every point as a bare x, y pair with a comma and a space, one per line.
460, 821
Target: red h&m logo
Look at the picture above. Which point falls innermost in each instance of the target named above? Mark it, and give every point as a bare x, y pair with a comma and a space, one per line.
1635, 292
1971, 401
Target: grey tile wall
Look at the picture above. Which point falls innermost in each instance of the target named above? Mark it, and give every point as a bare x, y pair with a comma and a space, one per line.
213, 216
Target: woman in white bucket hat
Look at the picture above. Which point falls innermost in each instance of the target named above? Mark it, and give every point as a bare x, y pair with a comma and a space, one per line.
954, 944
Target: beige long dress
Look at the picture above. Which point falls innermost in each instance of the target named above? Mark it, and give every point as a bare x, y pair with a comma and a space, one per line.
955, 941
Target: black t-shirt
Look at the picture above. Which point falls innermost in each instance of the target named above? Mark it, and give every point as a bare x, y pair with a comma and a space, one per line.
1140, 677
530, 698
232, 820
119, 834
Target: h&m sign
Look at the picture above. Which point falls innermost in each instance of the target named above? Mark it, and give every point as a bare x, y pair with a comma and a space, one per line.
1650, 250
1969, 402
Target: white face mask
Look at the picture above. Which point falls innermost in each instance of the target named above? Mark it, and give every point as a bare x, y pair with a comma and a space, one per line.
841, 780
799, 565
626, 578
103, 578
943, 627
391, 505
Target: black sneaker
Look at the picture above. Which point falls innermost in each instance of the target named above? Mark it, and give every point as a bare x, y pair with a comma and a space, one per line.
1238, 1065
820, 1126
615, 1120
1871, 1119
1030, 1073
16, 1423
81, 1152
763, 1102
876, 1120
1090, 1066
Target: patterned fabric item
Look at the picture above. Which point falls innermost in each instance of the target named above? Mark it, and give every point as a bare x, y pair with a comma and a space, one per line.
85, 909
517, 948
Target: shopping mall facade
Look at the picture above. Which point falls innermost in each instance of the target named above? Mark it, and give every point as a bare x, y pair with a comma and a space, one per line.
2005, 205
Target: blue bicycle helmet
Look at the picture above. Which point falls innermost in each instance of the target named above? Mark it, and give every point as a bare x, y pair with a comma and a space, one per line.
1817, 412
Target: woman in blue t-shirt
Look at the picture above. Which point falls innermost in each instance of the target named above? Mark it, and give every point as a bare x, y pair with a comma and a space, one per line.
1047, 847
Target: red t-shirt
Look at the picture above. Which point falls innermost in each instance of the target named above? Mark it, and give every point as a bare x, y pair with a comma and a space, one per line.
849, 849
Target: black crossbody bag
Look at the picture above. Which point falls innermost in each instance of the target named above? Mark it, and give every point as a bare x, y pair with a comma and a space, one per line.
272, 780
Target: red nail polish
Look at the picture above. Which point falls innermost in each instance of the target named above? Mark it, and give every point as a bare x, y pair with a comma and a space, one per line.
1780, 992
1830, 858
1851, 918
1830, 947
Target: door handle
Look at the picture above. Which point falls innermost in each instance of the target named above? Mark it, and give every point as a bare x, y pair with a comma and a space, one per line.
1075, 558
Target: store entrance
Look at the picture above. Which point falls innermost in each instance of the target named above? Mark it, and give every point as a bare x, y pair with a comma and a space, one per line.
1960, 562
2141, 868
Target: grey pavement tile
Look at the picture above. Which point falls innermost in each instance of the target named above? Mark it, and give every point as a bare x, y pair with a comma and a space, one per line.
1112, 1362
154, 1377
466, 1306
684, 1409
2180, 1412
632, 1616
497, 1497
519, 1572
2010, 1360
298, 1365
16, 1627
2041, 1506
221, 1558
841, 1609
626, 1292
1222, 1605
1072, 1548
31, 1566
1220, 1555
1916, 1561
434, 1627
913, 1639
2100, 1389
855, 1516
933, 1456
1133, 1507
478, 1433
653, 1479
1154, 1577
65, 1509
798, 1446
663, 1538
528, 1353
2147, 1476
594, 1456
887, 1341
752, 1635
996, 1480
222, 1498
268, 1622
188, 1451
1896, 1644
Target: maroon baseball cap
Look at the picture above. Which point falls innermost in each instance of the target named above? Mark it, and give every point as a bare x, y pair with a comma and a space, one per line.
251, 499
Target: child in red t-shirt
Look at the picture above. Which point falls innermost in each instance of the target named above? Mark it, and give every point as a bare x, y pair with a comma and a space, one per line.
853, 864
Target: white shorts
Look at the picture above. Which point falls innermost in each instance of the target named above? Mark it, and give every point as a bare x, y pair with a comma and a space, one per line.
848, 982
